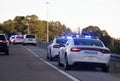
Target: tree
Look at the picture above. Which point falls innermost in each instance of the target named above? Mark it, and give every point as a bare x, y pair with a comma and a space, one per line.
1, 28
56, 29
93, 31
8, 26
111, 43
21, 25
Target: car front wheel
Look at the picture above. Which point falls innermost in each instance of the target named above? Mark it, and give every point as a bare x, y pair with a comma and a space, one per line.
59, 63
66, 65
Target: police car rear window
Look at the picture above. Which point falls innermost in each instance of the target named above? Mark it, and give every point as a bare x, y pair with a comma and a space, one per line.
2, 37
88, 42
19, 37
61, 41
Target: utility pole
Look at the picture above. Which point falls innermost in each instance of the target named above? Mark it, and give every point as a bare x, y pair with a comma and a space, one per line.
47, 23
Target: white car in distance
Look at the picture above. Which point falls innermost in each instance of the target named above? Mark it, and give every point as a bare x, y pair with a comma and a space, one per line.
84, 52
30, 39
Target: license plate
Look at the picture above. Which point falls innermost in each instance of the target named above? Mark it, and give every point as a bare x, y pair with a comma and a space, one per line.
30, 39
90, 52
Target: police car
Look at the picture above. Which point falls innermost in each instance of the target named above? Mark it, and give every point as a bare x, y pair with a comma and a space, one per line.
84, 52
52, 50
18, 39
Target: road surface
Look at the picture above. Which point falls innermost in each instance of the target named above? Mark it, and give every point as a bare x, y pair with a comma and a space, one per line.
22, 65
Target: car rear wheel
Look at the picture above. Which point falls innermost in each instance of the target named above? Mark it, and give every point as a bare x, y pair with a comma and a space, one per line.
50, 56
7, 53
24, 44
105, 68
47, 56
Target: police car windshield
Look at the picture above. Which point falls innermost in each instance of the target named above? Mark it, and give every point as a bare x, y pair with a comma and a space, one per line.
19, 37
63, 41
88, 42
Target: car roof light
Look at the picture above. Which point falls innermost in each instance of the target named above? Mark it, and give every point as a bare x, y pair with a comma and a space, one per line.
87, 36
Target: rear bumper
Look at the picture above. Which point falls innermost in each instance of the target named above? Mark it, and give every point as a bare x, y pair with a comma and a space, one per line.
89, 59
29, 42
89, 64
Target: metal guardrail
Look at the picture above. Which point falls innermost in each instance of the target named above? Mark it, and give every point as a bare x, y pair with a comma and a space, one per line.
115, 62
43, 44
115, 57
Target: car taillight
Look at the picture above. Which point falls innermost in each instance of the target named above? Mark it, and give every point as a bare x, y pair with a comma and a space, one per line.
104, 51
17, 38
75, 49
56, 46
4, 41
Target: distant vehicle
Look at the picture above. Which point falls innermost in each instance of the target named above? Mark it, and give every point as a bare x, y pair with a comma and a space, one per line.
30, 39
12, 38
4, 44
52, 50
84, 52
18, 39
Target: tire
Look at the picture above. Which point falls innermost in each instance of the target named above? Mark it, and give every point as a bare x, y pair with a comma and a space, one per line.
14, 43
66, 65
24, 44
59, 64
35, 44
7, 53
105, 68
50, 56
47, 56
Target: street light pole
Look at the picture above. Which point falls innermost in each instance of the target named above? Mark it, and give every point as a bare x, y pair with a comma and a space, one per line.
47, 23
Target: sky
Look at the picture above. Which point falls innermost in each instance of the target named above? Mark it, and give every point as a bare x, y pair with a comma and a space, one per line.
73, 13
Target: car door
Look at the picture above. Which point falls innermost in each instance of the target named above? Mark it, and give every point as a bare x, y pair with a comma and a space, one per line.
63, 51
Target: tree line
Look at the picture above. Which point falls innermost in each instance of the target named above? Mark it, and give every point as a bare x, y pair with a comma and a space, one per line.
21, 24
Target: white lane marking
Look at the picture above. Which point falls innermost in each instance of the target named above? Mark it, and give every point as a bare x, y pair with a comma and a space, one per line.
64, 73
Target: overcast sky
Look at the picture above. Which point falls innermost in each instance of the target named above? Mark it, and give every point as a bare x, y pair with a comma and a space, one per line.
73, 13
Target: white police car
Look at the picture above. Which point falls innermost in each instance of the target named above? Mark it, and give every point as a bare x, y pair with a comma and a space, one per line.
84, 52
52, 50
18, 39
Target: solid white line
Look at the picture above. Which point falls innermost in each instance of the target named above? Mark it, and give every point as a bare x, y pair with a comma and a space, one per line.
64, 73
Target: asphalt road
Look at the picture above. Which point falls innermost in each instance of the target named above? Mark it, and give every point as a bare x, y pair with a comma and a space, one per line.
24, 65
